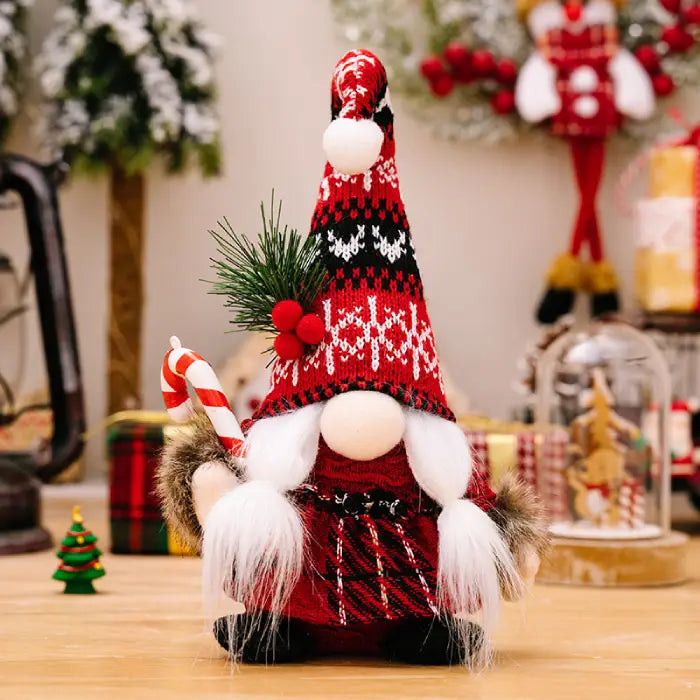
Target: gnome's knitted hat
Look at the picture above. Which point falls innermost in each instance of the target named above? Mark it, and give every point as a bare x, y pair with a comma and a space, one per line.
377, 332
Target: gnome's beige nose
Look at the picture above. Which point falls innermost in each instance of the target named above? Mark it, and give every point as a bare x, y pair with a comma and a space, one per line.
362, 425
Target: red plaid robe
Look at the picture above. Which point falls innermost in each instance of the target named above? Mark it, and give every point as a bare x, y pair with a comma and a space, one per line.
594, 47
369, 567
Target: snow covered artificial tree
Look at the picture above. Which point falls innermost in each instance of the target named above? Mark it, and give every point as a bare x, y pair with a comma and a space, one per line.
124, 81
13, 47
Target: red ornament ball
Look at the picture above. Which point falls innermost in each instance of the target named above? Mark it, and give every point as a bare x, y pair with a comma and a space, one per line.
310, 329
663, 84
692, 14
483, 63
648, 57
442, 86
286, 314
456, 55
431, 68
677, 38
671, 5
506, 71
503, 102
288, 346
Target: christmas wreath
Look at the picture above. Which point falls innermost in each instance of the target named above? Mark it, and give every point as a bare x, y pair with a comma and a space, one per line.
457, 61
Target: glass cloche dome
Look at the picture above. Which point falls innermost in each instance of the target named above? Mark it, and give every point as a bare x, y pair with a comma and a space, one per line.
609, 384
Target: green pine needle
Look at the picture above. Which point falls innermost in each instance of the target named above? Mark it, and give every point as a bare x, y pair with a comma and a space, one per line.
254, 278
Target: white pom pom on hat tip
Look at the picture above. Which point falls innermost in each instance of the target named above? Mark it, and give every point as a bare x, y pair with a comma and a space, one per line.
352, 146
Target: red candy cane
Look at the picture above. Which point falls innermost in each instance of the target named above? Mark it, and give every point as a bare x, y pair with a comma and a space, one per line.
181, 365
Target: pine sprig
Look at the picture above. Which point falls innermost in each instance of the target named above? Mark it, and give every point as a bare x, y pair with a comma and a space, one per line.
254, 277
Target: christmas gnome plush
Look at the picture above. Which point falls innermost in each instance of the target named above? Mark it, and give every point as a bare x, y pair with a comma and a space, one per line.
581, 79
357, 521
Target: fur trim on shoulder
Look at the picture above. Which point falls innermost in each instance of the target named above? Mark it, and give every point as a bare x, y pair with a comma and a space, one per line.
191, 447
520, 517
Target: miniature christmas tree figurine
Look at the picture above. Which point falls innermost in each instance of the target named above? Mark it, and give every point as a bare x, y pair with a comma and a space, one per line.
80, 558
601, 441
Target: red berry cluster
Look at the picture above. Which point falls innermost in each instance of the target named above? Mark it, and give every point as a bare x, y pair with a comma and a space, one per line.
459, 65
677, 38
296, 329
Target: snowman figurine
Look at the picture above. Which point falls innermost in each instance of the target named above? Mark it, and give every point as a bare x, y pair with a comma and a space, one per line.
582, 80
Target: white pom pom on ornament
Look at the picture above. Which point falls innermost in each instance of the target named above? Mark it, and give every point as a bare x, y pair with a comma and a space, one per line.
352, 146
586, 106
583, 79
362, 425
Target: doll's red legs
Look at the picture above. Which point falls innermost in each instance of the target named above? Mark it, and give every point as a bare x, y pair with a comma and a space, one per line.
569, 274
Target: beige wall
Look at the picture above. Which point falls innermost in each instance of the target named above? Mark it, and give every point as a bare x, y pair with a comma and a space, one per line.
485, 220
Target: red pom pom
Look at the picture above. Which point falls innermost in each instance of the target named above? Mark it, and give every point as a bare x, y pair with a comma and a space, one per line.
431, 68
442, 86
663, 84
286, 314
457, 55
671, 5
648, 57
483, 63
503, 102
507, 71
677, 38
692, 14
310, 329
288, 346
573, 11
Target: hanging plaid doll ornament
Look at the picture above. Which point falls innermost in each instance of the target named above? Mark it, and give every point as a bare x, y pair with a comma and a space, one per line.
585, 83
348, 515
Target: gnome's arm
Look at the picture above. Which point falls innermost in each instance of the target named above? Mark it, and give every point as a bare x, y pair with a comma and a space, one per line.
194, 471
519, 515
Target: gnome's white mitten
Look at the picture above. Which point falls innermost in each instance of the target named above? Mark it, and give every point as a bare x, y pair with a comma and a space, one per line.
536, 96
633, 90
210, 482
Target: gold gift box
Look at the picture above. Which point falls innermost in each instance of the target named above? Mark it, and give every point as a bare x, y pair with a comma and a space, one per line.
672, 171
665, 279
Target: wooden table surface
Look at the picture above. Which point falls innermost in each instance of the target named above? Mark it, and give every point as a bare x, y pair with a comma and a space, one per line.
142, 637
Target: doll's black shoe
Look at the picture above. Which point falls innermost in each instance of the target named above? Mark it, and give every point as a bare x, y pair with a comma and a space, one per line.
601, 282
556, 302
564, 277
256, 642
604, 303
429, 642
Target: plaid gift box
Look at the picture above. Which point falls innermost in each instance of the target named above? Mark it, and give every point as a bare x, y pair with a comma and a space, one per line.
538, 455
136, 522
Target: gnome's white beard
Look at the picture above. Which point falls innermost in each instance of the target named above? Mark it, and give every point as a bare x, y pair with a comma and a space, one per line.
473, 558
253, 545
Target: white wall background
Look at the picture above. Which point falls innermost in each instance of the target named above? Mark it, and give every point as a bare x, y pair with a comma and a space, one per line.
485, 221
